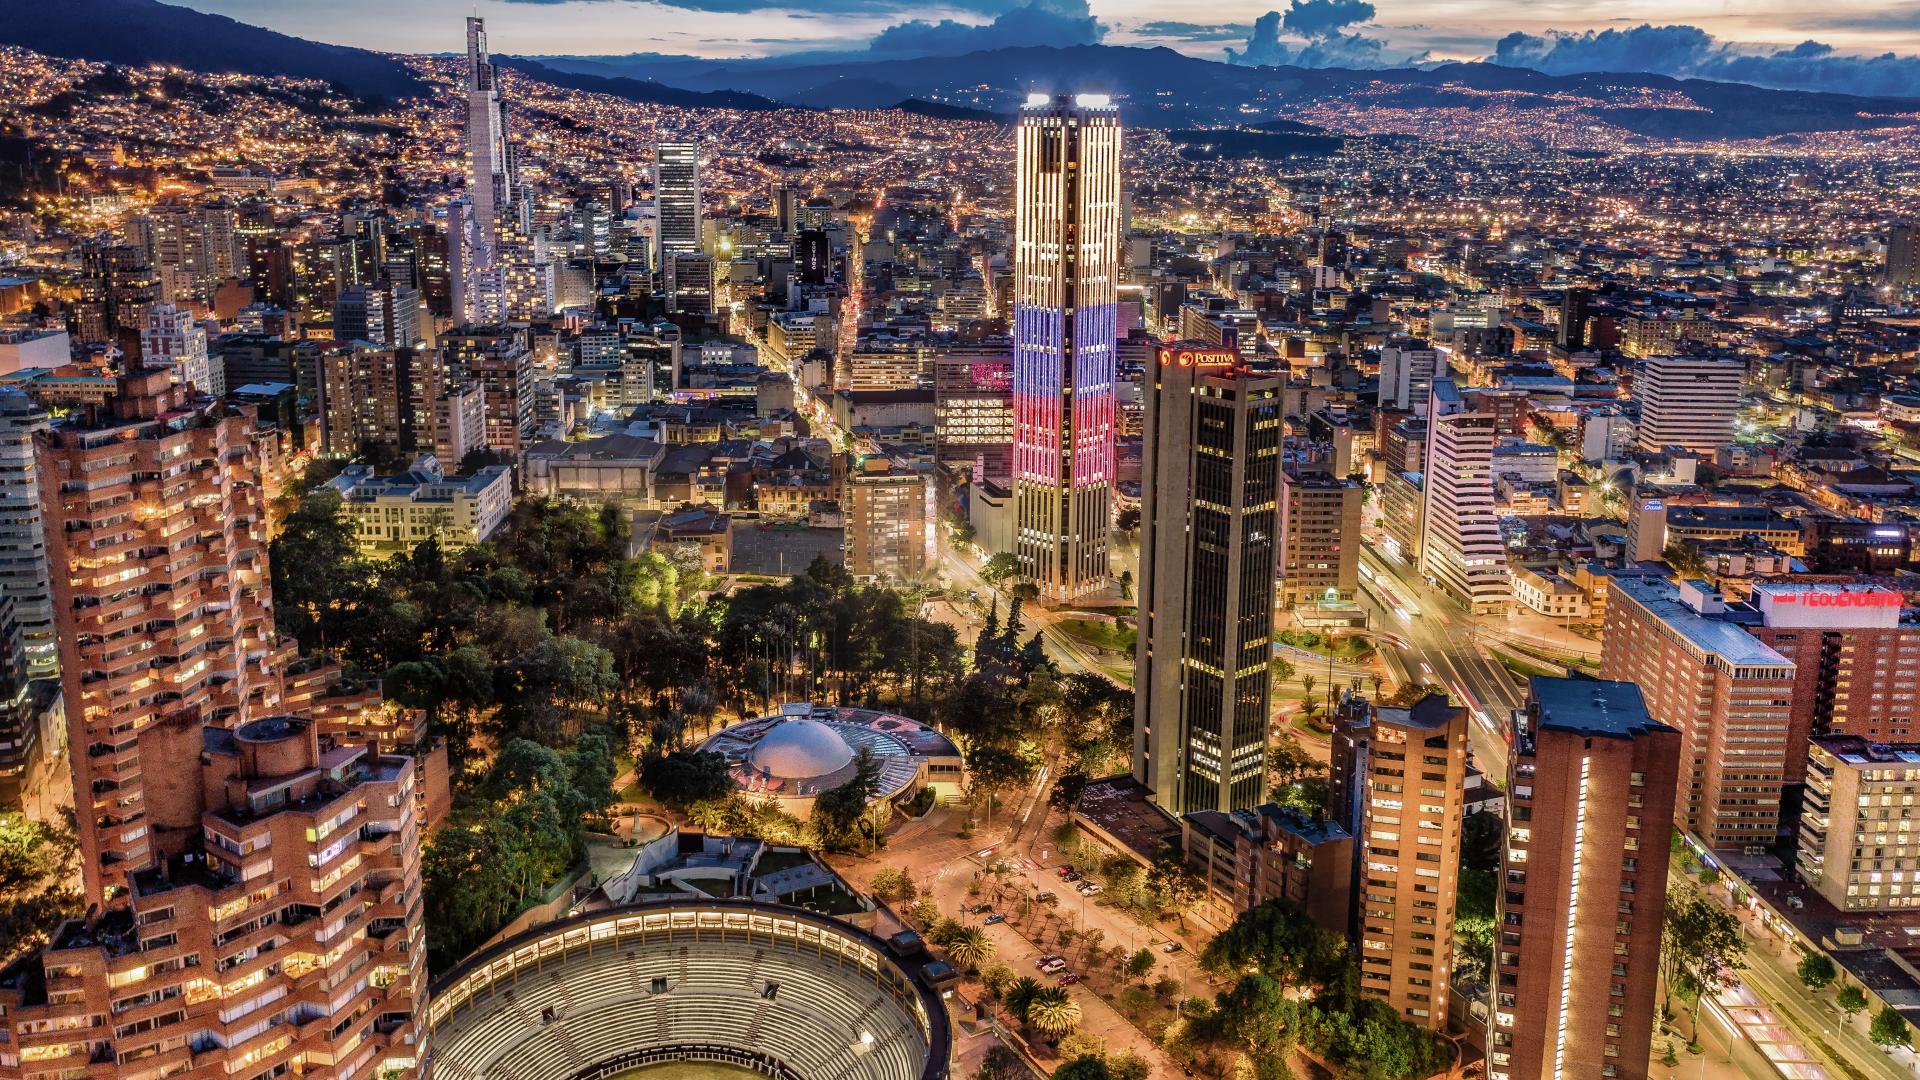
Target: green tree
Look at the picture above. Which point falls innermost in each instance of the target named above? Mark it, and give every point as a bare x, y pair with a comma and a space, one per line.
970, 947
1053, 1012
892, 883
1851, 999
1254, 1014
1084, 1067
1000, 1063
1020, 994
1125, 581
1000, 567
1279, 940
1816, 971
1288, 761
1701, 946
37, 859
1888, 1029
1141, 963
684, 777
840, 812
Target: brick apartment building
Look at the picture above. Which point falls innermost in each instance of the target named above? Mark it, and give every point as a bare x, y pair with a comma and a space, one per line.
1728, 693
1590, 790
1396, 783
254, 882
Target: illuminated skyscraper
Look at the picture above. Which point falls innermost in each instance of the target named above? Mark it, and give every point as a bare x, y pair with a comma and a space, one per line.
1066, 262
489, 167
676, 193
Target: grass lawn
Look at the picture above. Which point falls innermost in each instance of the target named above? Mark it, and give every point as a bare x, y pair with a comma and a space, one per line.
1099, 634
1521, 667
634, 793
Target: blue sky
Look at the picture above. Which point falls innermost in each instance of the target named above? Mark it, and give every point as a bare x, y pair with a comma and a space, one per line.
1859, 45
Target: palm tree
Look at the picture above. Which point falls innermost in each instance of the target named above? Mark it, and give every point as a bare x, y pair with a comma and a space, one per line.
710, 815
1019, 994
1053, 1012
970, 947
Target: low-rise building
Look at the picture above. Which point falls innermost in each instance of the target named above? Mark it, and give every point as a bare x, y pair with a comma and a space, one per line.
1857, 845
1273, 852
1549, 594
612, 468
402, 511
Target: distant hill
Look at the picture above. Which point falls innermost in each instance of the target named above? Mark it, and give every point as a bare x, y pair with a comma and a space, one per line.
142, 32
637, 89
951, 112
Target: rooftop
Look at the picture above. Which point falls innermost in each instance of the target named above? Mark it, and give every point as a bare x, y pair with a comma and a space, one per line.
1591, 707
1719, 637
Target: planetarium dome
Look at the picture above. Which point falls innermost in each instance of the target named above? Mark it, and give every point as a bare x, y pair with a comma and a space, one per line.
800, 748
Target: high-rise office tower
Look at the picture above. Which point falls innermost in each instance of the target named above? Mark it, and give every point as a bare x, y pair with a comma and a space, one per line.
1210, 491
489, 161
1590, 788
1729, 694
1066, 262
676, 194
1396, 778
1903, 257
1687, 401
385, 314
1573, 319
813, 257
23, 537
1461, 545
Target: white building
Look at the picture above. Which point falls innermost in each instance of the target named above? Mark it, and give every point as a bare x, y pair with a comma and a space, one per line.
21, 348
1687, 401
1550, 594
1407, 371
171, 339
400, 512
676, 189
1462, 550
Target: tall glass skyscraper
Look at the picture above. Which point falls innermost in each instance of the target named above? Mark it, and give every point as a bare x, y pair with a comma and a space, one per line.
489, 173
676, 192
1066, 264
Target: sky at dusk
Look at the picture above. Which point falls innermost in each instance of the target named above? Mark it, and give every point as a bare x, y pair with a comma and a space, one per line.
1856, 45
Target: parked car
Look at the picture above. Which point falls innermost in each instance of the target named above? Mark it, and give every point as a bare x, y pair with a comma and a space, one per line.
1091, 889
994, 918
1072, 875
1046, 898
980, 909
1173, 946
1069, 979
1053, 966
1047, 957
1066, 872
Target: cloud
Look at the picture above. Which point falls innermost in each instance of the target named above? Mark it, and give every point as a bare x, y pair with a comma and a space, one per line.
1313, 37
1325, 18
811, 8
1190, 31
1039, 22
1690, 52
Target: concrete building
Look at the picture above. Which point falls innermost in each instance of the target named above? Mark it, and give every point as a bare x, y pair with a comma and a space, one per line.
1902, 269
23, 540
612, 468
380, 397
1397, 779
171, 338
1273, 852
1857, 845
1066, 266
973, 411
1210, 492
33, 742
1461, 546
1729, 694
397, 513
384, 314
504, 373
490, 178
22, 348
1689, 402
891, 521
1590, 790
1407, 371
1320, 547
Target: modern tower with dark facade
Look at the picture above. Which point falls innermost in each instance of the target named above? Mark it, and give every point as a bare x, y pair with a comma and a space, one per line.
1210, 491
1066, 269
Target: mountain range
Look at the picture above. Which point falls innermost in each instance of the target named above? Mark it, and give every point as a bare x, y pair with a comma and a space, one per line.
1159, 87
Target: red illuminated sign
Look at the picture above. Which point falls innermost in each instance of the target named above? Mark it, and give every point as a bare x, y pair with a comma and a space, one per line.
1198, 358
1842, 599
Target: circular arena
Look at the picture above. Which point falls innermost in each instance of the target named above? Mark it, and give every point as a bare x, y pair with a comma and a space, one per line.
770, 989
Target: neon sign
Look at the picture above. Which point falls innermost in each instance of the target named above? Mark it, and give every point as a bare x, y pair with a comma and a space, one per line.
1842, 599
1198, 358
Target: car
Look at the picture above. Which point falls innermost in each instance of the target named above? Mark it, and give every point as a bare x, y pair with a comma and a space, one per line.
1071, 875
1173, 946
986, 853
1048, 957
1046, 898
994, 918
1069, 978
1053, 966
1066, 872
1091, 889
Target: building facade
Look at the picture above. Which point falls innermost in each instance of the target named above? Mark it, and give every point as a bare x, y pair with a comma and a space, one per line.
1728, 694
1210, 491
397, 513
1066, 267
1320, 529
890, 520
1689, 402
1857, 846
1590, 789
1396, 782
676, 191
1461, 546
